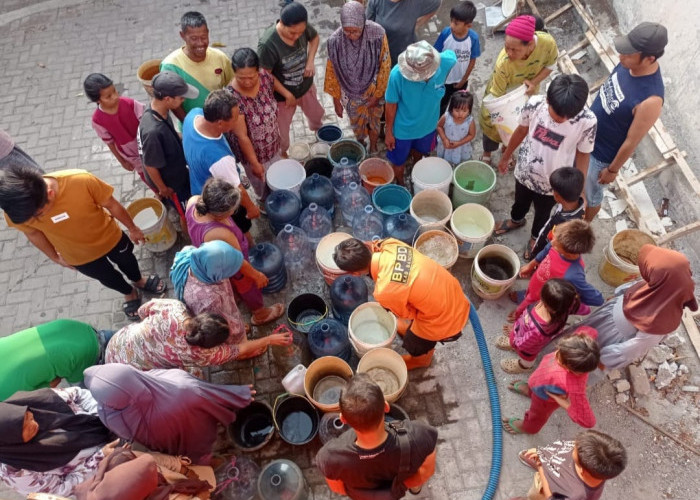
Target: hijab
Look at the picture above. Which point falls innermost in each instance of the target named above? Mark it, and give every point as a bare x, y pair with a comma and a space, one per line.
211, 263
356, 62
656, 304
165, 410
62, 434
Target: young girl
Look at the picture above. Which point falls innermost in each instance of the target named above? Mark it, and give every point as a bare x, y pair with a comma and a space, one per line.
456, 129
539, 324
116, 121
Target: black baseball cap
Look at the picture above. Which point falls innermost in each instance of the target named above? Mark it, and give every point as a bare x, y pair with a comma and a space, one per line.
648, 38
170, 84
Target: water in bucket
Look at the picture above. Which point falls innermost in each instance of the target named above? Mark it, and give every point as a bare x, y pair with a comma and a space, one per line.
327, 390
297, 426
497, 268
146, 218
371, 332
386, 379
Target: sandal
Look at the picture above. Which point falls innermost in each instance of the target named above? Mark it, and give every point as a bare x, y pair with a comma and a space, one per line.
527, 253
486, 158
274, 312
503, 343
504, 227
515, 387
525, 460
509, 427
513, 366
155, 285
131, 309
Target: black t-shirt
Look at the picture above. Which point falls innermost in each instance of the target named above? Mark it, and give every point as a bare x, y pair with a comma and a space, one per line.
341, 459
160, 147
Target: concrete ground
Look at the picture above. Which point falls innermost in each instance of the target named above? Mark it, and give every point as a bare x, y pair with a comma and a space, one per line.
47, 50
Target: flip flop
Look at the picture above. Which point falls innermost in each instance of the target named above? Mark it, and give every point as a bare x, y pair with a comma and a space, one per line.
131, 309
513, 366
504, 227
530, 462
515, 387
155, 285
503, 343
509, 427
276, 311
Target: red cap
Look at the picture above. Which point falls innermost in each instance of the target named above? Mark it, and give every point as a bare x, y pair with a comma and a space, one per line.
522, 28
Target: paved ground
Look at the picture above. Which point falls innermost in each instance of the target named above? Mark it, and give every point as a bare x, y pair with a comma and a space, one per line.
45, 57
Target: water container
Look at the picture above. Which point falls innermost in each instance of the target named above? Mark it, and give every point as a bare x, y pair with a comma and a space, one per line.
347, 292
296, 249
348, 149
403, 227
343, 177
293, 381
368, 225
321, 166
283, 207
391, 199
318, 189
352, 198
316, 222
474, 182
331, 426
269, 260
329, 337
282, 479
236, 478
287, 357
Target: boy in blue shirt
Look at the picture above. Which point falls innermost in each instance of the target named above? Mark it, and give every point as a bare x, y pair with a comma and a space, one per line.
464, 42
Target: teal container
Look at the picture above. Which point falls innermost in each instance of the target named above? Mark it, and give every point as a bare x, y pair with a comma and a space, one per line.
473, 182
391, 199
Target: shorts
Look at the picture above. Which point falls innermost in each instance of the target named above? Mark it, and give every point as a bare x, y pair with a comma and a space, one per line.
423, 145
417, 346
241, 219
594, 190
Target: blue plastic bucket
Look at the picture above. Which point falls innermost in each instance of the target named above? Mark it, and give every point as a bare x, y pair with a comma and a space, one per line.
329, 134
391, 199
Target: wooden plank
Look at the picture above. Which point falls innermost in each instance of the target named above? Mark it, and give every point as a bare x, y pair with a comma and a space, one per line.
557, 13
599, 83
687, 172
692, 328
664, 134
659, 142
575, 48
681, 231
607, 60
533, 8
632, 179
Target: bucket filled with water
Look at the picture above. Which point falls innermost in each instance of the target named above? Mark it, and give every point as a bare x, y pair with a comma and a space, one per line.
473, 182
391, 199
325, 379
431, 208
253, 427
620, 258
146, 72
370, 327
151, 217
439, 245
346, 149
472, 225
494, 271
329, 134
375, 172
431, 173
295, 419
388, 370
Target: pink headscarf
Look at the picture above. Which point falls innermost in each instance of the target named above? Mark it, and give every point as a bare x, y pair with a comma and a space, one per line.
522, 28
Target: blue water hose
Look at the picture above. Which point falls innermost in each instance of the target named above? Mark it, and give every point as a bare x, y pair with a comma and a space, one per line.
496, 429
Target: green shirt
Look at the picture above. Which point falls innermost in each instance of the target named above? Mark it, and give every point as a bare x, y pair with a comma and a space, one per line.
32, 358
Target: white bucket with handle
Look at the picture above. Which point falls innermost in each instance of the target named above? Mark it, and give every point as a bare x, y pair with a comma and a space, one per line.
505, 111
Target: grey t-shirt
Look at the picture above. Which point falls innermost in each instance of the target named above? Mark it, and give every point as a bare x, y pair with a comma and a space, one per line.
399, 20
560, 471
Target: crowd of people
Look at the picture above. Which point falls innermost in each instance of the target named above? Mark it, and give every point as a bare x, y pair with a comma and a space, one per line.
210, 114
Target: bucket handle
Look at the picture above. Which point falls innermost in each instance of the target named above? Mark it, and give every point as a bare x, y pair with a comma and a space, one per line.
284, 396
309, 323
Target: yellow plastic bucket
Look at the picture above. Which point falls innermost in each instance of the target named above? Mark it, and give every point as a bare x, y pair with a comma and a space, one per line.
619, 262
146, 72
151, 217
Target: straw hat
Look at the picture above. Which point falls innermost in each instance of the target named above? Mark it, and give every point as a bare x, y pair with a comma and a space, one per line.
419, 62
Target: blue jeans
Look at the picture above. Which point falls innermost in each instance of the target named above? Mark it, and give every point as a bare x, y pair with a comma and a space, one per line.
594, 190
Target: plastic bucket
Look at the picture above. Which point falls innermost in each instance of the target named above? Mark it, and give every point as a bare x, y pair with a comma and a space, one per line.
388, 369
285, 174
346, 148
305, 310
619, 262
299, 151
329, 134
473, 182
431, 208
295, 419
253, 428
320, 166
438, 245
391, 199
324, 380
320, 149
432, 173
375, 172
146, 72
370, 327
324, 256
505, 111
494, 270
472, 225
151, 217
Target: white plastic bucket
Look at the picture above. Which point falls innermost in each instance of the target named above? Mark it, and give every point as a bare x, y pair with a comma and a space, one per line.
431, 208
371, 326
299, 151
472, 224
293, 382
151, 217
432, 173
324, 256
487, 287
505, 111
286, 174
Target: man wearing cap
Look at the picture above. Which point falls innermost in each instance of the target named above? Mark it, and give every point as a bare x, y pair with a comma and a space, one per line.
628, 104
159, 144
201, 66
416, 87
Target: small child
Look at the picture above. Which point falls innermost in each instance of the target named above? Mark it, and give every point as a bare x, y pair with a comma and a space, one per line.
464, 41
539, 324
567, 185
559, 380
574, 469
456, 129
561, 258
116, 121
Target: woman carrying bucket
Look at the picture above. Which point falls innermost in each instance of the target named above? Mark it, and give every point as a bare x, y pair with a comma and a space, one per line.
413, 287
528, 57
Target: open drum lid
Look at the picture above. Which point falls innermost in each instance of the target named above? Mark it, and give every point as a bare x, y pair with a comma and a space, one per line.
508, 7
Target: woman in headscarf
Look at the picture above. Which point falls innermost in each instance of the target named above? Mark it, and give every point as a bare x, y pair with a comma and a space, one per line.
201, 280
51, 440
357, 71
209, 219
642, 313
169, 411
